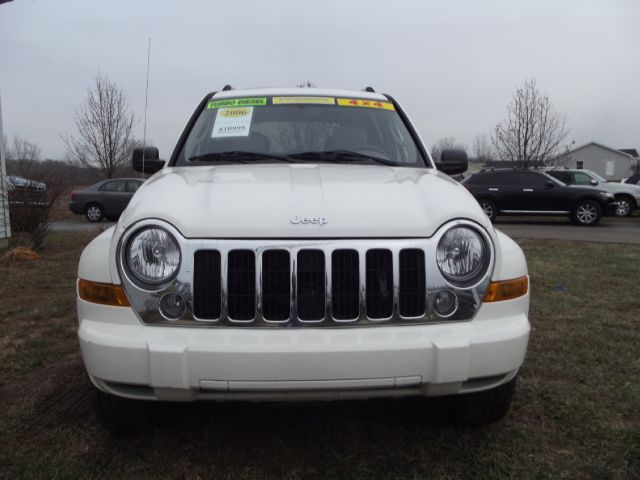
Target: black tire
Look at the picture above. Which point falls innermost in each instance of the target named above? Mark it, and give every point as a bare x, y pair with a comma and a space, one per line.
483, 408
587, 213
625, 207
122, 416
94, 212
489, 208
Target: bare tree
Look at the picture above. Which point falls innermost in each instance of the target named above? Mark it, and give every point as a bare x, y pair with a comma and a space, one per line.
33, 197
105, 129
25, 154
445, 143
533, 130
482, 151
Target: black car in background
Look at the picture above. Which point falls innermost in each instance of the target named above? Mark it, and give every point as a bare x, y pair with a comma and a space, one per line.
528, 192
107, 199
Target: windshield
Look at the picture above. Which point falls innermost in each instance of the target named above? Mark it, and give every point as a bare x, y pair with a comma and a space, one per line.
298, 129
597, 177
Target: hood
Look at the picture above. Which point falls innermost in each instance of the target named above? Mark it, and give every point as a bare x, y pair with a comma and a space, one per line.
615, 187
302, 201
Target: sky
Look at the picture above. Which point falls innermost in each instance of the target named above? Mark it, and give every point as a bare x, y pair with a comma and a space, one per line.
452, 64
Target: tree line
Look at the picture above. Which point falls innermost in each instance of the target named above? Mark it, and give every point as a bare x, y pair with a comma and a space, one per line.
532, 134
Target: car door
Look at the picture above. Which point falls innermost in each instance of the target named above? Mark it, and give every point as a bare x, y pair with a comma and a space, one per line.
506, 186
541, 194
115, 197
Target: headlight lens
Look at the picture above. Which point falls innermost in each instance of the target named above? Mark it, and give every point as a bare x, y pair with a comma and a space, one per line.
153, 255
462, 256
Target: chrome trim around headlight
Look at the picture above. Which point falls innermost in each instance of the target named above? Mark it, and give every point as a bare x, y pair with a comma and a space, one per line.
470, 280
123, 253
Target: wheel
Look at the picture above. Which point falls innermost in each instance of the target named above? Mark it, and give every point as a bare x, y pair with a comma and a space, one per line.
587, 213
489, 208
123, 415
625, 207
482, 408
94, 212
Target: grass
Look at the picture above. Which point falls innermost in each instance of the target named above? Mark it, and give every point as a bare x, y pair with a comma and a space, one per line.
576, 413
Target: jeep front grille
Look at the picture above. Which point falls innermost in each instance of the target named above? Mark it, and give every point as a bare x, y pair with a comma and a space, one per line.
293, 288
306, 283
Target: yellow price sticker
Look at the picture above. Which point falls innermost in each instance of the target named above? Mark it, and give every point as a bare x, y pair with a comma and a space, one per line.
234, 112
357, 102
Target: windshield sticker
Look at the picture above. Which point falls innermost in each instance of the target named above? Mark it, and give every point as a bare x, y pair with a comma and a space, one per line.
232, 122
354, 102
293, 100
237, 102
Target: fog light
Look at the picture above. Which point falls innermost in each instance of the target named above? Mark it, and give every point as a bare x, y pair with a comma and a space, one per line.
445, 303
172, 306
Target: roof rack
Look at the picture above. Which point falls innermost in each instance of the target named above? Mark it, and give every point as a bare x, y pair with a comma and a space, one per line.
227, 88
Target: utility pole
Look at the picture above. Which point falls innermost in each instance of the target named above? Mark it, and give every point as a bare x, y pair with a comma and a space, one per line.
5, 222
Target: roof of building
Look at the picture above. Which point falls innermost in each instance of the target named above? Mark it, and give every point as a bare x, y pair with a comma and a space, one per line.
615, 150
630, 151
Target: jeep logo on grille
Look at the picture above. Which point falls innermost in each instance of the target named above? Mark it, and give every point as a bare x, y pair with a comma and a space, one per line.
309, 220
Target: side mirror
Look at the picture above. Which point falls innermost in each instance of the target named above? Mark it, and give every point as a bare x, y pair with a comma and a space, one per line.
549, 184
593, 182
453, 162
146, 160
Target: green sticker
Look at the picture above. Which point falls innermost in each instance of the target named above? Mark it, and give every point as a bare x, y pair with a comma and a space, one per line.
237, 102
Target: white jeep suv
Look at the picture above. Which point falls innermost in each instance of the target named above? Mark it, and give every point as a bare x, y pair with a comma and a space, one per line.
301, 244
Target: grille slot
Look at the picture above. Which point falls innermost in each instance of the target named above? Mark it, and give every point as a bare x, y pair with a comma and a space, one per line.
241, 285
345, 284
311, 285
412, 283
379, 284
206, 285
276, 285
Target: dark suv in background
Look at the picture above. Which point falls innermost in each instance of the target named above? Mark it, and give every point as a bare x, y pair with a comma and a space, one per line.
527, 192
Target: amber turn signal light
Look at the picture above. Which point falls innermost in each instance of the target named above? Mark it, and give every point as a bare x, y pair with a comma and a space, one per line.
102, 293
507, 289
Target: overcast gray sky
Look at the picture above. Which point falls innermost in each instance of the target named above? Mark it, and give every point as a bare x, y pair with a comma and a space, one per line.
453, 65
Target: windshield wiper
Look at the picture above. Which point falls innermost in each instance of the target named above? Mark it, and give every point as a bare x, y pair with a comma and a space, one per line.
238, 156
339, 156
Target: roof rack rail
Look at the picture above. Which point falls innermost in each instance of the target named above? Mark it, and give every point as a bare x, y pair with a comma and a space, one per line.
227, 88
369, 89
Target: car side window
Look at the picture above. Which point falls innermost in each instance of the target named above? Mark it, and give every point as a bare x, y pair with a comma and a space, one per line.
506, 178
132, 185
580, 178
115, 186
562, 176
533, 179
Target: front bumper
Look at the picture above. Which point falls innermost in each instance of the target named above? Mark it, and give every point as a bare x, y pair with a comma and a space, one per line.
610, 208
76, 208
126, 358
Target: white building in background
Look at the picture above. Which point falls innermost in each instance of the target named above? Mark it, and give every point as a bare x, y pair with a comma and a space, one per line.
5, 224
608, 162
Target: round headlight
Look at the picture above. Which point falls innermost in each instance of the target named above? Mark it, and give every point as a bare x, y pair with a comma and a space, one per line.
153, 255
462, 255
